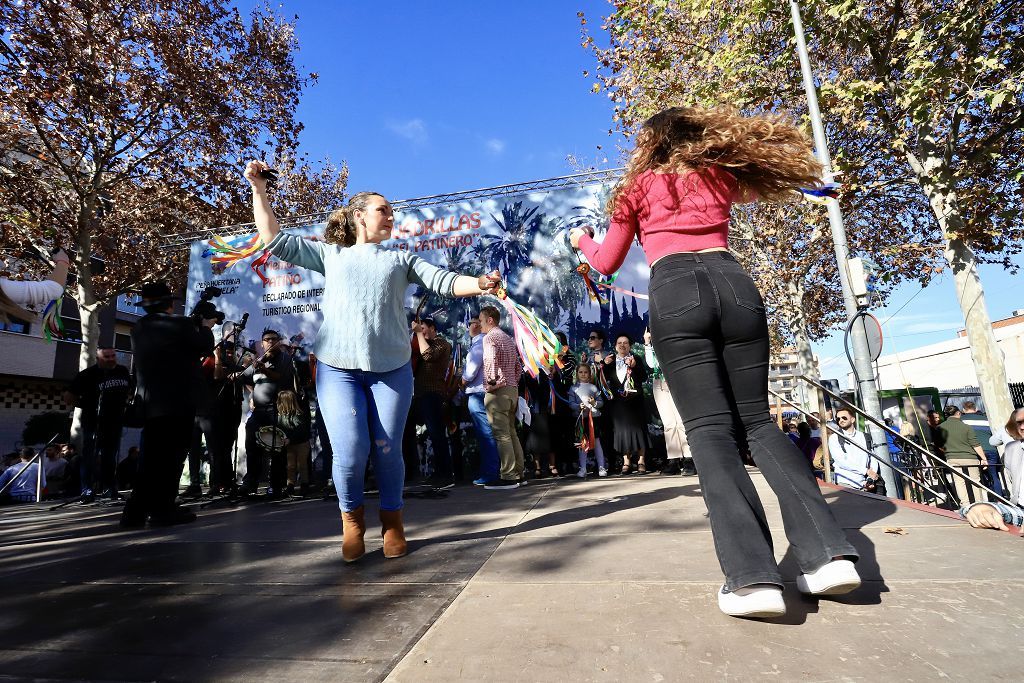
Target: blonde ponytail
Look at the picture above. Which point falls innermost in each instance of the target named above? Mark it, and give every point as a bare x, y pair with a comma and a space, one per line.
341, 224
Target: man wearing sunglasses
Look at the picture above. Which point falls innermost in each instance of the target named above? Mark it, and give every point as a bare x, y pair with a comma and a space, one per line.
595, 352
852, 464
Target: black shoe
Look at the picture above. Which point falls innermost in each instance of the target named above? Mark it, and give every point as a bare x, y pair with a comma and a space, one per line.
523, 481
193, 491
672, 466
176, 515
132, 521
304, 490
440, 483
88, 498
688, 470
501, 484
289, 490
244, 491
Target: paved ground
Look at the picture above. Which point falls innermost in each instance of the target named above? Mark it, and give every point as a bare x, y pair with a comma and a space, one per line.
609, 580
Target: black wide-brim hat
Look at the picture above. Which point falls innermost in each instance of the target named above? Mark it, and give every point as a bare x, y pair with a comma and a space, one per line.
154, 293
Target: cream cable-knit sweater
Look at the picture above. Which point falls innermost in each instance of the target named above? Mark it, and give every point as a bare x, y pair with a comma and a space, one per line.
365, 325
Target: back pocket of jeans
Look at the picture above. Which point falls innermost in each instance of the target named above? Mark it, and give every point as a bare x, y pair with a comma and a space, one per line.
675, 295
744, 290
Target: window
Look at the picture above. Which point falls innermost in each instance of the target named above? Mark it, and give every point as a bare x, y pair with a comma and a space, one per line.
15, 325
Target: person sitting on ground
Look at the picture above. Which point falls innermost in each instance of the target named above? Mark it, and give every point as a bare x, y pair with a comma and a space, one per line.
586, 398
22, 477
996, 515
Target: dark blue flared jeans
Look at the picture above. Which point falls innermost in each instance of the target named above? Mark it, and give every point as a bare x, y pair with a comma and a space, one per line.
711, 339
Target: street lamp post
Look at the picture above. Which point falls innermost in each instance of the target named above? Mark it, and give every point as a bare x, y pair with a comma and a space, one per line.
866, 387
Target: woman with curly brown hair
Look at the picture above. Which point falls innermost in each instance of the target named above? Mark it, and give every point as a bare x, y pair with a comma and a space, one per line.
364, 376
710, 333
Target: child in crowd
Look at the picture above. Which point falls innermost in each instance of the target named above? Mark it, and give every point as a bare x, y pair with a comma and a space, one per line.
587, 401
295, 424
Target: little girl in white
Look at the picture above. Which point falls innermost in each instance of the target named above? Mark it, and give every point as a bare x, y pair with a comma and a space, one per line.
585, 397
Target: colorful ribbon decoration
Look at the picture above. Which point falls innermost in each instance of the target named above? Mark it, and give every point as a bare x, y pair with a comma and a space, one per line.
228, 253
821, 195
584, 269
537, 344
585, 439
225, 253
53, 324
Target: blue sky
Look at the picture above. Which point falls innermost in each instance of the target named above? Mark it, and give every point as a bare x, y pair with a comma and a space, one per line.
424, 98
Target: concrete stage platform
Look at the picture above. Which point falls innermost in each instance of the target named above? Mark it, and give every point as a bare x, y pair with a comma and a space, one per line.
602, 580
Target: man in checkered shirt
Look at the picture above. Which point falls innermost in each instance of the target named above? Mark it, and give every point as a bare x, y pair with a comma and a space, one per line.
502, 369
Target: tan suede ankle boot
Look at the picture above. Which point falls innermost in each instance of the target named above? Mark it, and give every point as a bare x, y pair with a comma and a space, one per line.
393, 533
353, 526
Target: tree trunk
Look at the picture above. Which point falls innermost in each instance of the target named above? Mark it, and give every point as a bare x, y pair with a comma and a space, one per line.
87, 313
989, 364
796, 320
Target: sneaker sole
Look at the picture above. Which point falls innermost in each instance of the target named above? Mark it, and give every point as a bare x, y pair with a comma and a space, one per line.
840, 588
500, 488
758, 614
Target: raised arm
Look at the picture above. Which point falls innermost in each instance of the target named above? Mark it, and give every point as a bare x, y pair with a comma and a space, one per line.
59, 274
263, 215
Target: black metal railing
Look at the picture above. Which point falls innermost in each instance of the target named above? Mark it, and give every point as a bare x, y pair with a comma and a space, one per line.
931, 470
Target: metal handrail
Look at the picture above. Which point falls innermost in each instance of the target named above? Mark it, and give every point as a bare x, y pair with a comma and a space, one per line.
923, 451
902, 473
39, 476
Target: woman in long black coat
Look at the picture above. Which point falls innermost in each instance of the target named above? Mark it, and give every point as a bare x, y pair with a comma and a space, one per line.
625, 374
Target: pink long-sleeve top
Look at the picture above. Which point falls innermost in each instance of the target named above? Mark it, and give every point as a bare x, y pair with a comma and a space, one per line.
668, 213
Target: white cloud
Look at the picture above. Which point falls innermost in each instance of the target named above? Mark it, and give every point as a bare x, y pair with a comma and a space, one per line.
413, 130
494, 146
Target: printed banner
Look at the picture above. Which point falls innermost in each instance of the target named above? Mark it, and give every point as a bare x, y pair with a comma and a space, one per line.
520, 236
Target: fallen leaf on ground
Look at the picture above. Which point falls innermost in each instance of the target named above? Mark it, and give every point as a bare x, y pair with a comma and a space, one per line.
898, 531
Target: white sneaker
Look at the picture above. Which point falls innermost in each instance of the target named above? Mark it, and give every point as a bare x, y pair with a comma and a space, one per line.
835, 578
762, 600
602, 472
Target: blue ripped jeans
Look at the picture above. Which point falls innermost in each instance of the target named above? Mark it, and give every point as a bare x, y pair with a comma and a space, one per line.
365, 413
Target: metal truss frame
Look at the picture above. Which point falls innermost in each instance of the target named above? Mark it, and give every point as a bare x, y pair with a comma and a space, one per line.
184, 239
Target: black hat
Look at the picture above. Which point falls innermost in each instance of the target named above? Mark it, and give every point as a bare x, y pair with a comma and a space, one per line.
155, 293
207, 311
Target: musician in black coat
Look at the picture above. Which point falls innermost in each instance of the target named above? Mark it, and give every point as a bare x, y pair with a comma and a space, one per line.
168, 351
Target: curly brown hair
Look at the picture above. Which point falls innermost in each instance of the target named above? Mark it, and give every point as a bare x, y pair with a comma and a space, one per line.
341, 224
769, 156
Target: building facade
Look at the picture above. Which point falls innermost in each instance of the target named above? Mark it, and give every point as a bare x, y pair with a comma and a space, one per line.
783, 374
948, 365
35, 372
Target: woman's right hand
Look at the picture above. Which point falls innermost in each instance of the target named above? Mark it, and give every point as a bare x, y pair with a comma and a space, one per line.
61, 256
647, 338
252, 174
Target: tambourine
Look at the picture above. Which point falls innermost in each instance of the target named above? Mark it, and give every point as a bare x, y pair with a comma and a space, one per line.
271, 438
